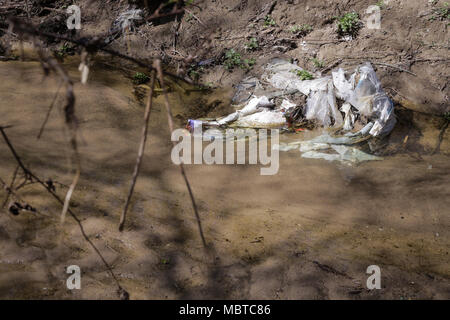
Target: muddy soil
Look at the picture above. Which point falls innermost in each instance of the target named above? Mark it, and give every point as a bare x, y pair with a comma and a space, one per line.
309, 232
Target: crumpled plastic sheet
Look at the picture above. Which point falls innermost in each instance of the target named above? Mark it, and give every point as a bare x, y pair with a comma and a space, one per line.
321, 105
344, 154
367, 96
349, 118
321, 150
343, 151
263, 119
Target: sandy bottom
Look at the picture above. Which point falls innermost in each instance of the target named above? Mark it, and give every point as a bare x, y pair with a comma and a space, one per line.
309, 232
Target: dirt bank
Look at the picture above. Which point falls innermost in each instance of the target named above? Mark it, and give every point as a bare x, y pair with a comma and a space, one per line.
411, 36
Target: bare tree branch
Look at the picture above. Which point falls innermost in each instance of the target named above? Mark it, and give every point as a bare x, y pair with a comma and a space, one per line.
47, 116
121, 291
157, 66
148, 109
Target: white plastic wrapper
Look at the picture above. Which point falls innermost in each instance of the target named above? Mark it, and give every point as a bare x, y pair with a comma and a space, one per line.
321, 106
372, 102
286, 105
349, 118
263, 119
344, 87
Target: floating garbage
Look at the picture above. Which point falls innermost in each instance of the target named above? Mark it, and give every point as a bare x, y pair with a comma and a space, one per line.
257, 113
338, 101
343, 154
314, 149
263, 119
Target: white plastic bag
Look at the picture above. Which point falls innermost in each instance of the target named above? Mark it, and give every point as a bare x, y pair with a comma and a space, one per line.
368, 85
349, 118
344, 87
372, 102
256, 104
263, 119
321, 106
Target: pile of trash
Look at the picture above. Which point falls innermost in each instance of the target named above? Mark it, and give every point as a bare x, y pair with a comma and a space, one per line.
363, 104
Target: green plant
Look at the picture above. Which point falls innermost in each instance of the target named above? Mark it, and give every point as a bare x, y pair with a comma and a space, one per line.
63, 51
303, 74
269, 22
317, 63
140, 78
447, 116
303, 29
194, 74
247, 64
233, 59
189, 17
195, 71
252, 44
380, 4
442, 13
348, 24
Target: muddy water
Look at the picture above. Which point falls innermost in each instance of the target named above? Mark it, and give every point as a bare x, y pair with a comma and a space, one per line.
309, 231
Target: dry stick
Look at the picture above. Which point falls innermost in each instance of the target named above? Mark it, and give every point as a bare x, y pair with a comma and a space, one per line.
10, 191
28, 9
71, 122
47, 116
394, 67
157, 66
195, 17
137, 167
70, 192
72, 214
94, 45
441, 136
10, 188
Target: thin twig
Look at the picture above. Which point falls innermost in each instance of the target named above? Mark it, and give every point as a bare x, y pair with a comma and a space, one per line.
394, 67
22, 27
195, 17
72, 214
11, 186
27, 9
70, 120
157, 66
148, 109
441, 136
10, 191
41, 130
